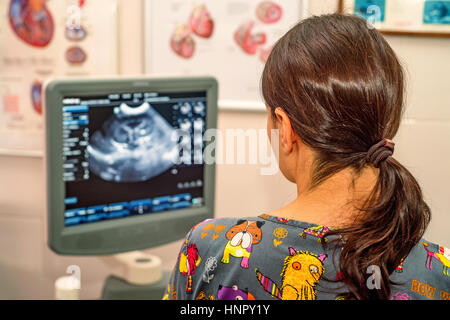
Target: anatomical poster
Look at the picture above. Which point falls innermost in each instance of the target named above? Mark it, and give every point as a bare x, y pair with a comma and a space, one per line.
43, 39
427, 17
230, 40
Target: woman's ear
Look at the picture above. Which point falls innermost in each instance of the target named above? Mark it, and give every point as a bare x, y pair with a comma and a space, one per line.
287, 135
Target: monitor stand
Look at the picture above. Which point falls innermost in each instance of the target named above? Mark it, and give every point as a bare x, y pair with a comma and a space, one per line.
139, 277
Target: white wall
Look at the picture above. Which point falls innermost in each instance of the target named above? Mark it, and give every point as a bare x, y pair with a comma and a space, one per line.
28, 268
423, 143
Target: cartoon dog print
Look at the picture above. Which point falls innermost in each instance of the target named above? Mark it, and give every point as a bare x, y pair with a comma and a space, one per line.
241, 239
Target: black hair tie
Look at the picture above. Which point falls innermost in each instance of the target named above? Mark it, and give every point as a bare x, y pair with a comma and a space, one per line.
380, 152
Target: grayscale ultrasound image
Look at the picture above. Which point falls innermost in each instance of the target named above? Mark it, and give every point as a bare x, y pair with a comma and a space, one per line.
134, 144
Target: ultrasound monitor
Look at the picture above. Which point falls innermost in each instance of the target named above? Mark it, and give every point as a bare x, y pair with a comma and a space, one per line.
124, 157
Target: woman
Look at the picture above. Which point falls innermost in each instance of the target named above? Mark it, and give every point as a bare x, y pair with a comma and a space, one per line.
334, 90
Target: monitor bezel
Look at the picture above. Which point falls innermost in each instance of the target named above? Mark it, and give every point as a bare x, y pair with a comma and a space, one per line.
84, 239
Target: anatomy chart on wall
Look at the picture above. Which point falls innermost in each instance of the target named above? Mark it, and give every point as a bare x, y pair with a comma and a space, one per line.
413, 17
230, 40
43, 39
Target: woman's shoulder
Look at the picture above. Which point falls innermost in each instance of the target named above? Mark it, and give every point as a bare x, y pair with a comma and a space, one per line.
210, 230
219, 225
214, 228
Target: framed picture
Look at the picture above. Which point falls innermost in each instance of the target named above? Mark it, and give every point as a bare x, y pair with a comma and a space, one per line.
399, 17
229, 40
42, 40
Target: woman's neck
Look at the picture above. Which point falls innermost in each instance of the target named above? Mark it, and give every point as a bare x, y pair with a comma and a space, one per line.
334, 202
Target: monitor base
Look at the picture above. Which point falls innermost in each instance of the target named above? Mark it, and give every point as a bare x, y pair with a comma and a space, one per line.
115, 288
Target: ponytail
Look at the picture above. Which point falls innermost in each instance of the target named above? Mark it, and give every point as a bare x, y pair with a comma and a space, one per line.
391, 223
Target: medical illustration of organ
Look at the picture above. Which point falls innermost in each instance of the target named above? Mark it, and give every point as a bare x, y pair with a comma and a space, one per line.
75, 55
74, 30
36, 96
200, 22
31, 21
248, 41
134, 144
182, 43
75, 33
269, 12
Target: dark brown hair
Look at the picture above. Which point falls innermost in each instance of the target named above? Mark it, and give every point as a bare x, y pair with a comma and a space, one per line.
342, 87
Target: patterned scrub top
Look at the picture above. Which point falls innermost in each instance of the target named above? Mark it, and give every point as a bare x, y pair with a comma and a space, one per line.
267, 257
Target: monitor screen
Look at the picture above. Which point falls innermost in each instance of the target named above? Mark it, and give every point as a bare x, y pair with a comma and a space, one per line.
132, 154
125, 165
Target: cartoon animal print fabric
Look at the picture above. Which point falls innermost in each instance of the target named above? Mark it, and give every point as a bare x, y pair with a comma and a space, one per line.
241, 239
233, 293
189, 263
319, 232
443, 256
302, 271
268, 257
